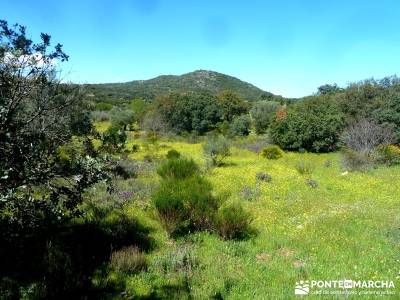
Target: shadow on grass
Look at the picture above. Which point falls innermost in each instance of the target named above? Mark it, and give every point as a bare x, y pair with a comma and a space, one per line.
60, 264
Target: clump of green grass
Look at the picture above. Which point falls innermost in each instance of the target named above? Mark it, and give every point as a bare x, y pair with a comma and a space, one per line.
128, 260
304, 167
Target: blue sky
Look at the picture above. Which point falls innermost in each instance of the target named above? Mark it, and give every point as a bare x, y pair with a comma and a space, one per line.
286, 47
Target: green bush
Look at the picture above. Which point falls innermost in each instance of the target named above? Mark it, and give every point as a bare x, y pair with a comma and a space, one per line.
114, 139
232, 221
390, 154
173, 154
128, 260
185, 204
179, 168
304, 167
312, 124
240, 126
135, 148
217, 148
272, 152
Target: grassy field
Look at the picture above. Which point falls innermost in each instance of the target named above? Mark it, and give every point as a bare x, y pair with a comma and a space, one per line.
345, 228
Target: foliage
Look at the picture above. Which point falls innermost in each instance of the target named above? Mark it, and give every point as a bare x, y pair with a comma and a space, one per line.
232, 105
114, 139
232, 221
356, 161
328, 89
365, 135
217, 148
272, 152
122, 117
250, 193
190, 112
390, 154
312, 124
311, 183
178, 168
197, 82
304, 167
263, 113
262, 176
125, 168
100, 116
173, 154
240, 126
128, 260
185, 204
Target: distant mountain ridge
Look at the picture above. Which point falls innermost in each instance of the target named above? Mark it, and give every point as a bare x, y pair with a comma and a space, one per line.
200, 80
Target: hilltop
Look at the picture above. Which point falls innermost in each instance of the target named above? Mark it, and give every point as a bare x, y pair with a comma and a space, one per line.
200, 80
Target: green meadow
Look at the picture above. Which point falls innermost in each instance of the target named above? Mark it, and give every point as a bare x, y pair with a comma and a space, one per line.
343, 227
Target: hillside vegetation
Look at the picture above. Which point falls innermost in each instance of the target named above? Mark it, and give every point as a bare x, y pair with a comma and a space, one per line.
197, 81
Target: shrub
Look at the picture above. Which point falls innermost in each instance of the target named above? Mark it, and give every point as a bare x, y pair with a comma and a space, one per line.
355, 161
304, 167
135, 148
232, 221
128, 260
125, 168
185, 204
261, 176
180, 259
365, 136
263, 113
217, 148
272, 152
178, 168
114, 139
100, 116
173, 154
248, 193
312, 183
390, 154
311, 124
240, 126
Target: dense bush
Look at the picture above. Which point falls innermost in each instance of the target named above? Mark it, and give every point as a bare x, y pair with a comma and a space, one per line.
100, 116
173, 154
217, 148
122, 117
390, 154
128, 260
272, 152
232, 105
185, 204
114, 139
232, 221
263, 114
312, 124
240, 126
178, 168
199, 112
